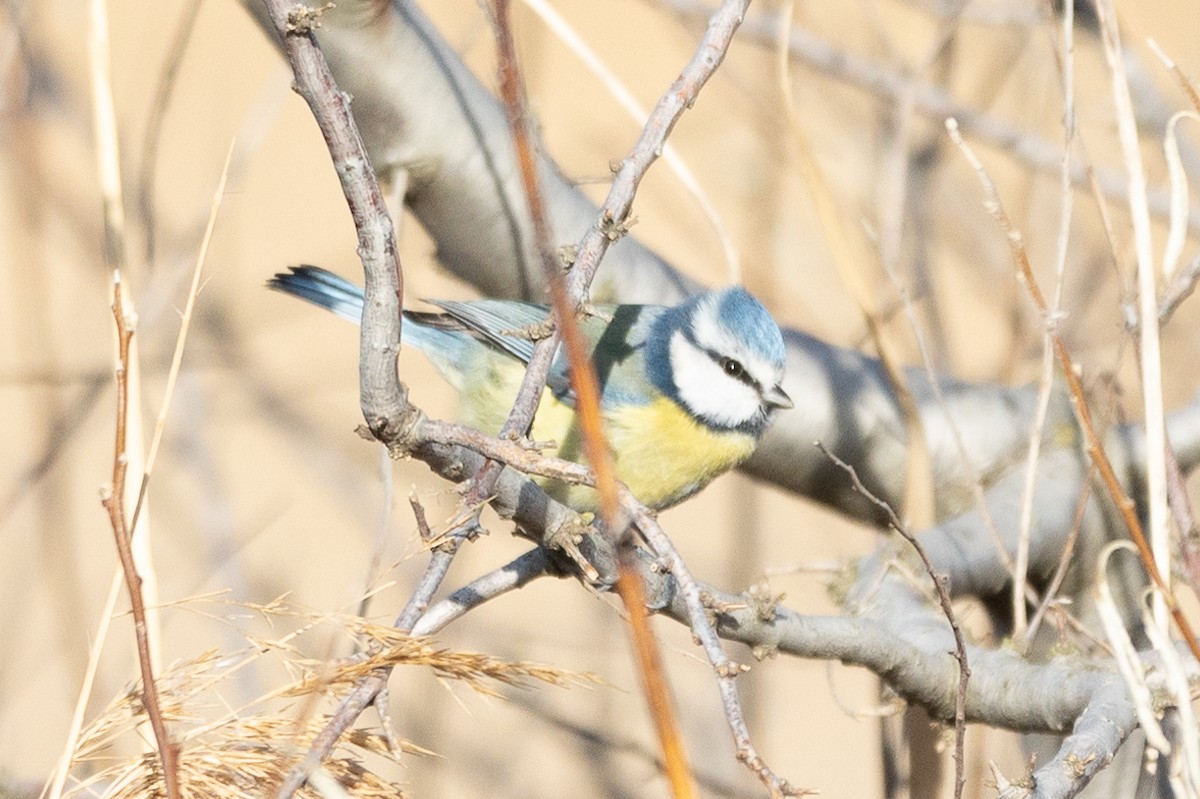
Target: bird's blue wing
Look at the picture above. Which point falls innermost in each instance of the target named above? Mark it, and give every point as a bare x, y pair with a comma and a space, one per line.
501, 322
613, 336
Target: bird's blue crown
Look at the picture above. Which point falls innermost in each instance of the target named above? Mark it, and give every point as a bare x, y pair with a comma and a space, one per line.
731, 314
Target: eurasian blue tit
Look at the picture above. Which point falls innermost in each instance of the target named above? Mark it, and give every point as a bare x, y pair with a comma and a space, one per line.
686, 391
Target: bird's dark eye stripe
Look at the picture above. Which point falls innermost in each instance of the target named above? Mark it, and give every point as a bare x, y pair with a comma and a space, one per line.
739, 372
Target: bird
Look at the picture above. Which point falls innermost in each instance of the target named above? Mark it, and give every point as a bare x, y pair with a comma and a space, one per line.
686, 390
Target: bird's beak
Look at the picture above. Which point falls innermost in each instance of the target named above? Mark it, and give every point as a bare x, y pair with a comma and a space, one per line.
776, 397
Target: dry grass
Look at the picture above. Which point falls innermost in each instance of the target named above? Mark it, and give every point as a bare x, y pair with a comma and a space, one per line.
242, 751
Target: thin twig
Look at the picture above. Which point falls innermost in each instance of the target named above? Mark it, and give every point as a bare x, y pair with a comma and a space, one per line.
625, 99
168, 77
699, 605
1151, 357
109, 173
943, 595
1066, 59
1185, 83
1183, 283
586, 388
1095, 446
365, 691
680, 96
114, 503
1064, 560
181, 340
63, 768
1185, 521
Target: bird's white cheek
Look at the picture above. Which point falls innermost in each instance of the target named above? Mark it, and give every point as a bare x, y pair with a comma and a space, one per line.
706, 390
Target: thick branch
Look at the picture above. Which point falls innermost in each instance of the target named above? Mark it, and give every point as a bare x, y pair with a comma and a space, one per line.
894, 628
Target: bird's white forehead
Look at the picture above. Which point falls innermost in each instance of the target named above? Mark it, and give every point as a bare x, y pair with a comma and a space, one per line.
707, 329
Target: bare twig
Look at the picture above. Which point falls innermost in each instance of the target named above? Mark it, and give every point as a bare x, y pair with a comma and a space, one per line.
109, 172
167, 80
181, 340
1183, 283
383, 397
516, 574
364, 692
698, 603
1095, 446
943, 595
1185, 521
1151, 357
1066, 60
624, 98
680, 96
1068, 552
63, 768
114, 503
1185, 83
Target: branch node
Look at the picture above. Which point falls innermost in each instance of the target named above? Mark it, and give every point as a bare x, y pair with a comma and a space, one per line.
764, 603
566, 539
730, 669
615, 229
303, 19
400, 433
568, 254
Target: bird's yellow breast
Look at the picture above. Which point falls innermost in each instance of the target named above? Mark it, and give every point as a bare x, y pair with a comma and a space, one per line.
661, 452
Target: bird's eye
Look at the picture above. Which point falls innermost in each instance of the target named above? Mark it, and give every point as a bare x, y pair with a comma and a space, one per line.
732, 367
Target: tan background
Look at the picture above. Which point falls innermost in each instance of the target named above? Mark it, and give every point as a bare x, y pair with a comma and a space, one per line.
263, 489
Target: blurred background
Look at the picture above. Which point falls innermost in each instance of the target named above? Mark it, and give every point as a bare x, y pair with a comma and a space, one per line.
262, 488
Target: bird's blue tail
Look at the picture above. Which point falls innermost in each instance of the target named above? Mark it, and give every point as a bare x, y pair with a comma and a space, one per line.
322, 288
446, 349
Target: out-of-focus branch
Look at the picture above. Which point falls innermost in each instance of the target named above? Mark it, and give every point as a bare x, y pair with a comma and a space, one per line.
932, 101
